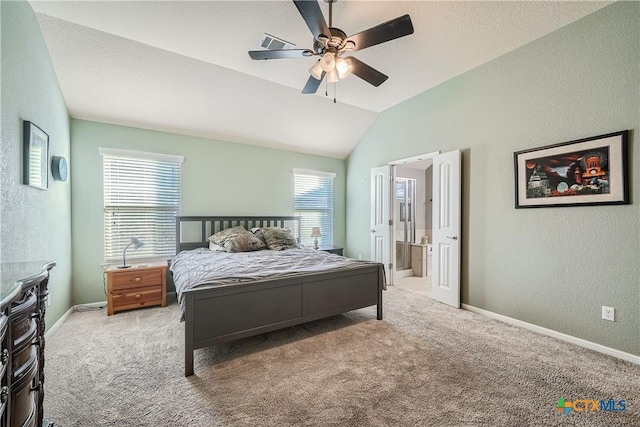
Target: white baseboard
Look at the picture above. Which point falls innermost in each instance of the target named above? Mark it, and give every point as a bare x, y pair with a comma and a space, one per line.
64, 317
555, 334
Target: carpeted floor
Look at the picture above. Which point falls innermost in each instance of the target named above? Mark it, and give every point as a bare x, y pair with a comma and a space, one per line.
426, 364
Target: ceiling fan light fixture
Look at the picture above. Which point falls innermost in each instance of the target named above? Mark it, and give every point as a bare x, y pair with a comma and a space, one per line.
332, 76
343, 67
328, 62
316, 70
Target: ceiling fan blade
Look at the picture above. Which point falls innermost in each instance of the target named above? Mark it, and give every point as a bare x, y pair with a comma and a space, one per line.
279, 53
366, 73
384, 32
312, 15
312, 84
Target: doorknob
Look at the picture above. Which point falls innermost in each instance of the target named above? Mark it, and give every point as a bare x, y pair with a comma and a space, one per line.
452, 237
373, 230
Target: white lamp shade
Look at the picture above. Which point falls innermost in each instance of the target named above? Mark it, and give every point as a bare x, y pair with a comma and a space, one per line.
328, 62
332, 76
316, 70
315, 232
343, 67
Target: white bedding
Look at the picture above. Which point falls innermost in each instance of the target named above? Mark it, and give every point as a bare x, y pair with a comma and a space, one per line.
202, 266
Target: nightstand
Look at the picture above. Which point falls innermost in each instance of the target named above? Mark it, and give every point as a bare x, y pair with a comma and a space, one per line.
142, 285
331, 249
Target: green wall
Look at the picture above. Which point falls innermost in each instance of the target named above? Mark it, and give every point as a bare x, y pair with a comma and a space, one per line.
35, 224
550, 267
218, 178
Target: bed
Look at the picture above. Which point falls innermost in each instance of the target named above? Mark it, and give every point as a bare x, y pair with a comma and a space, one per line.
220, 312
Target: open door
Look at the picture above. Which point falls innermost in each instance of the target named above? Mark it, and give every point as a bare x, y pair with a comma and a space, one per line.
380, 227
446, 228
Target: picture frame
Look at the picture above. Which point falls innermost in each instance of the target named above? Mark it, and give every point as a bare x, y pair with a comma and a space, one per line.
35, 155
589, 171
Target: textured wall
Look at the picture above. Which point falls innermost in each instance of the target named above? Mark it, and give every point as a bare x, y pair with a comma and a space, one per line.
36, 224
550, 267
218, 178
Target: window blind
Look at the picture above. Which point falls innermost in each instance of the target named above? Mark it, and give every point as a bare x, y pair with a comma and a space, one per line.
141, 199
314, 202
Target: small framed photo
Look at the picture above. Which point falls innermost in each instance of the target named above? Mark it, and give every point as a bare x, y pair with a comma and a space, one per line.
590, 171
35, 156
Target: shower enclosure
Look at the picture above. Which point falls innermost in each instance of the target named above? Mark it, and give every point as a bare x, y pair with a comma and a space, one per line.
405, 224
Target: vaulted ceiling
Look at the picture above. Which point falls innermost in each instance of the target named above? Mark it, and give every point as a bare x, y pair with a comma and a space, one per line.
183, 67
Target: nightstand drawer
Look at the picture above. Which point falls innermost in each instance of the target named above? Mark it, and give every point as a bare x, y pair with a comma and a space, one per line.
137, 298
123, 280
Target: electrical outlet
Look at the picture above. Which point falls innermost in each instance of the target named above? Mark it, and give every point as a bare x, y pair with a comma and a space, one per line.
608, 313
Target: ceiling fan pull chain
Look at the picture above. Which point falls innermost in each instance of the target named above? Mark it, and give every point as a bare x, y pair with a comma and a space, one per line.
335, 88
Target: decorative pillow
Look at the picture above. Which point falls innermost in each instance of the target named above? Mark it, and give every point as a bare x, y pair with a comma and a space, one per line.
237, 239
278, 239
258, 232
216, 248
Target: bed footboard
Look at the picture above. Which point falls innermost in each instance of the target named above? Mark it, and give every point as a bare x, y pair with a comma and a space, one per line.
224, 313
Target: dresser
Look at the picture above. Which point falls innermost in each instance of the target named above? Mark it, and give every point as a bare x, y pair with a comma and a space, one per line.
142, 285
23, 303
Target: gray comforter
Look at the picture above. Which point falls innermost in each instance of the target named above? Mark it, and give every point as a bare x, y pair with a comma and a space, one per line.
202, 266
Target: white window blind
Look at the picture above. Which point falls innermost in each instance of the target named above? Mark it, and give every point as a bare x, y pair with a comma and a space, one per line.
314, 202
141, 199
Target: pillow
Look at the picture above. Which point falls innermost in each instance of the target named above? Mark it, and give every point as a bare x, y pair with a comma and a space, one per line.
216, 248
237, 239
258, 232
278, 239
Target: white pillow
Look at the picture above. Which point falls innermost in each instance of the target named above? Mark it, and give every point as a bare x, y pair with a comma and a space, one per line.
216, 248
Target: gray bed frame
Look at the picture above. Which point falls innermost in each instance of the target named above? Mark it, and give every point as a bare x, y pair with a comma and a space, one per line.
220, 313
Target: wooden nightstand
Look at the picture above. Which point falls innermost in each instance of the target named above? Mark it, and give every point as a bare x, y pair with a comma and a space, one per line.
142, 285
331, 249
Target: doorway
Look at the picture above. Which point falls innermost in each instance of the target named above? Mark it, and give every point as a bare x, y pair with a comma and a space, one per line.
399, 241
412, 212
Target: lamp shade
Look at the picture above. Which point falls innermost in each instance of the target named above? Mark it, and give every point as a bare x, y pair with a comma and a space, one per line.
328, 62
332, 76
316, 70
315, 232
343, 67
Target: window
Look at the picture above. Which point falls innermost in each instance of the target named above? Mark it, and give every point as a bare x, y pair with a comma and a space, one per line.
314, 202
141, 199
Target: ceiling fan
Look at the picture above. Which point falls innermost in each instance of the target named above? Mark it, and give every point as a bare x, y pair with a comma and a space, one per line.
330, 44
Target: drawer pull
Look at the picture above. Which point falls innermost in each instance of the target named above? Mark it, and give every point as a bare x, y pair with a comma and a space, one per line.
137, 279
4, 394
138, 295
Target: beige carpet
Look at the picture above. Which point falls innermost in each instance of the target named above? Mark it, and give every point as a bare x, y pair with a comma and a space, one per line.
426, 364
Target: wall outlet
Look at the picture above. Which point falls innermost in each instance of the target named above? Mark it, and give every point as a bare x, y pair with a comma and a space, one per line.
608, 313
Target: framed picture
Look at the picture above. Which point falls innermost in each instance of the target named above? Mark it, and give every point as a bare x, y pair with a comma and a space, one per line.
35, 156
590, 171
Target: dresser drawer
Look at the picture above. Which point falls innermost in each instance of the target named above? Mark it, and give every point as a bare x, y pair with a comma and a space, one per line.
137, 298
129, 279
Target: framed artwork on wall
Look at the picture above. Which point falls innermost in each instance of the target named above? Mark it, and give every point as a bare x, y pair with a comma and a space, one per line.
589, 171
35, 156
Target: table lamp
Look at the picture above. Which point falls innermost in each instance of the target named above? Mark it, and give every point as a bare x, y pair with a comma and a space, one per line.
315, 232
137, 243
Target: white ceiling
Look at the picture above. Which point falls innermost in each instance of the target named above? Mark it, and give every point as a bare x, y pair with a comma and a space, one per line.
183, 67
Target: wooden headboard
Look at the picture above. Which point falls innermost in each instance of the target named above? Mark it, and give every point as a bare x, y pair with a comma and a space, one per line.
208, 225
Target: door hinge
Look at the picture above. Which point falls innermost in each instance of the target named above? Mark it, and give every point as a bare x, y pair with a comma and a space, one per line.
390, 266
390, 222
390, 178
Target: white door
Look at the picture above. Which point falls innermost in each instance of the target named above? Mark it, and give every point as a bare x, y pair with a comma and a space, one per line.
380, 238
446, 228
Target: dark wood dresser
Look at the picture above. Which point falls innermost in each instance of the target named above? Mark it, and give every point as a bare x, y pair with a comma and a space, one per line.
23, 302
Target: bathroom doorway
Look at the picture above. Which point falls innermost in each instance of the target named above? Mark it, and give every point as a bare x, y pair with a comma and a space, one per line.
412, 212
438, 246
